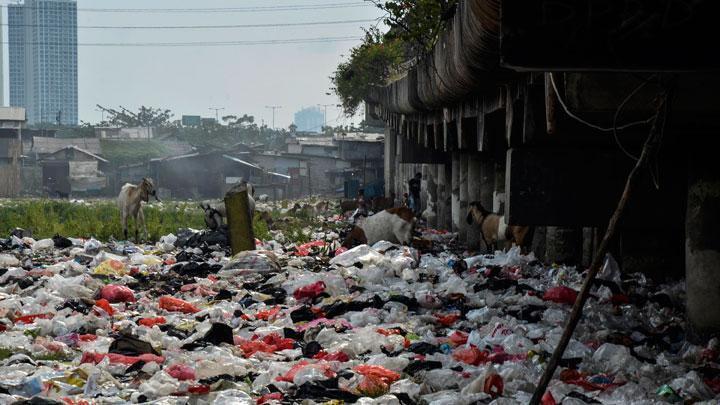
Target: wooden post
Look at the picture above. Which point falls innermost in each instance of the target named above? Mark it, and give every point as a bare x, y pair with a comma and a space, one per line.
239, 221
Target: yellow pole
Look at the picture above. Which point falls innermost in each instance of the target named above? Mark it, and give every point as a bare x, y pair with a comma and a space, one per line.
239, 221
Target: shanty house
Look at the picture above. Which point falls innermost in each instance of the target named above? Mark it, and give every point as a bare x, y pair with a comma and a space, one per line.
210, 175
73, 170
12, 120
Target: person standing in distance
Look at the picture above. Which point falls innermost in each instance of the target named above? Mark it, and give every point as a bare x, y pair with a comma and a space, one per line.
415, 186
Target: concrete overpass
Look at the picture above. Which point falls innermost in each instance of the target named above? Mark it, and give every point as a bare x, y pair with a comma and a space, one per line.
526, 106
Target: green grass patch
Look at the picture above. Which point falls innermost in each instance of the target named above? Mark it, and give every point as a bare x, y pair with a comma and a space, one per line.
121, 152
99, 219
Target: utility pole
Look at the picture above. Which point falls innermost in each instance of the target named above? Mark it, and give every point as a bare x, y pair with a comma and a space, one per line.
325, 106
273, 108
217, 116
102, 113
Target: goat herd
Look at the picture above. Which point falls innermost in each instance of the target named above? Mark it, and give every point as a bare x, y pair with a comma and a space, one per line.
391, 223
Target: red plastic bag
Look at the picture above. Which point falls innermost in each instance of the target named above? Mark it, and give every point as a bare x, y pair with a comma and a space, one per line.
105, 306
447, 320
310, 291
290, 375
339, 356
181, 372
494, 385
267, 314
373, 386
117, 293
470, 355
268, 344
548, 399
252, 347
561, 295
279, 342
387, 376
458, 338
89, 357
150, 322
173, 304
304, 249
275, 396
27, 319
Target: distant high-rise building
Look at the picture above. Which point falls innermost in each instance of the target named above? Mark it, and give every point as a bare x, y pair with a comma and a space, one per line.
42, 37
310, 119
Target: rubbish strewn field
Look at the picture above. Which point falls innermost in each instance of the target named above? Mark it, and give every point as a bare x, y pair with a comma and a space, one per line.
180, 321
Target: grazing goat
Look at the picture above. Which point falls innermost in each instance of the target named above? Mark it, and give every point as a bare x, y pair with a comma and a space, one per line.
130, 203
348, 205
215, 215
494, 229
394, 225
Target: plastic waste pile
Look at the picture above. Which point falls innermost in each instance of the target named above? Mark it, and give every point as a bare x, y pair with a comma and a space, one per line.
184, 322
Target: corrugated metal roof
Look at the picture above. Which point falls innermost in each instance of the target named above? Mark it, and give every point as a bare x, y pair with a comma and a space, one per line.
360, 137
43, 146
234, 159
317, 141
94, 156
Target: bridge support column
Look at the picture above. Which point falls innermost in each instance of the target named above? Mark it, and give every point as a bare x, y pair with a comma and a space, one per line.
455, 192
702, 245
474, 185
462, 209
563, 245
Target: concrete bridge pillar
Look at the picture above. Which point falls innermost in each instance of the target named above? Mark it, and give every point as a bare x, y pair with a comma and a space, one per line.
702, 245
430, 173
564, 245
390, 159
474, 185
455, 192
487, 182
444, 193
463, 207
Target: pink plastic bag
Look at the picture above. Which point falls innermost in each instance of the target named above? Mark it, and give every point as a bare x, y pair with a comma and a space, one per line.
117, 293
89, 357
561, 295
181, 372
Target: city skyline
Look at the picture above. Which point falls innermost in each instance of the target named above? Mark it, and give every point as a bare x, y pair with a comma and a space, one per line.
260, 68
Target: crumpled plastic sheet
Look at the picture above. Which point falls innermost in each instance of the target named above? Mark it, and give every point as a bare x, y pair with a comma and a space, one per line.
171, 324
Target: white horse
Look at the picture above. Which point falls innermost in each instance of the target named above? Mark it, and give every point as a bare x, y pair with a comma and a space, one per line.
130, 204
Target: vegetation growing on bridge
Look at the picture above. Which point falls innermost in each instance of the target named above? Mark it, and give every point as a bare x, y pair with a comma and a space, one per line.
414, 29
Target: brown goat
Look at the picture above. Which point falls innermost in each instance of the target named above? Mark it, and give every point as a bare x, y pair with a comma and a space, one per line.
383, 203
494, 229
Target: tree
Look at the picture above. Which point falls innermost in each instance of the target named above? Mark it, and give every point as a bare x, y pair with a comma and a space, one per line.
415, 27
369, 66
145, 117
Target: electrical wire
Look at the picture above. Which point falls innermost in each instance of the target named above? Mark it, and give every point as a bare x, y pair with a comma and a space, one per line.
252, 9
197, 27
617, 115
591, 125
318, 40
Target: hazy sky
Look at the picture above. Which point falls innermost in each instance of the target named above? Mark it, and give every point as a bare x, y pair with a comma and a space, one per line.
189, 80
